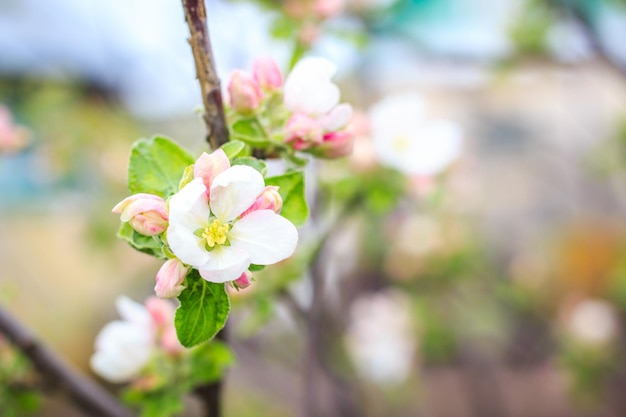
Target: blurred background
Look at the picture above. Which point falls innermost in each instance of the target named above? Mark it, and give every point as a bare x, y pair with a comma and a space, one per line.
493, 284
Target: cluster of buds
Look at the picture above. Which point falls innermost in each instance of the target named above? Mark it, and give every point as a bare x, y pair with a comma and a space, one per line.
246, 91
233, 217
309, 118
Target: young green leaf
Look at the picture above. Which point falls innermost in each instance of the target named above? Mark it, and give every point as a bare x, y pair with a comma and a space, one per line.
250, 132
291, 189
250, 161
233, 149
156, 166
203, 310
145, 244
208, 362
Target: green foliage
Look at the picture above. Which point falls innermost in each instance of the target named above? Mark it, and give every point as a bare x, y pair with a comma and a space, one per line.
250, 161
208, 361
17, 397
250, 132
204, 308
234, 149
295, 207
529, 32
146, 244
169, 378
157, 166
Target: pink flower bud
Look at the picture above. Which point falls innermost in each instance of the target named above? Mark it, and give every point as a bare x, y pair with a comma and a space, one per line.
209, 166
146, 213
269, 199
161, 311
170, 342
244, 281
266, 73
244, 92
335, 145
304, 130
169, 279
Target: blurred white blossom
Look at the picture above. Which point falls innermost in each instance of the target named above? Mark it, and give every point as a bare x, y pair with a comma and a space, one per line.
593, 322
406, 139
380, 337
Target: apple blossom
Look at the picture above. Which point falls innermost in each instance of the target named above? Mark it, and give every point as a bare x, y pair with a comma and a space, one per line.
407, 140
244, 281
267, 74
169, 279
244, 92
124, 347
146, 213
303, 130
210, 234
380, 339
309, 89
269, 199
318, 118
594, 322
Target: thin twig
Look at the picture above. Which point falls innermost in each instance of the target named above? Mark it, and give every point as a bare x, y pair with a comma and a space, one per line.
86, 394
195, 15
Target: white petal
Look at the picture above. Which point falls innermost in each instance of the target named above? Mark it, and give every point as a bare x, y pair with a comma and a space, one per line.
337, 118
439, 145
189, 211
132, 311
311, 69
122, 350
227, 263
396, 115
267, 237
313, 98
308, 88
234, 190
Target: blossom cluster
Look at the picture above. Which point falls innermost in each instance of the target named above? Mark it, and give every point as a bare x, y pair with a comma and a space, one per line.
125, 347
223, 219
302, 113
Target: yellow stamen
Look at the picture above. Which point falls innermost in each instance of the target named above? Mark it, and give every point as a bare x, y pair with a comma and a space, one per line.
216, 233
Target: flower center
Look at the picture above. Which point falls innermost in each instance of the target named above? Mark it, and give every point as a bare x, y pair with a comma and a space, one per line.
216, 233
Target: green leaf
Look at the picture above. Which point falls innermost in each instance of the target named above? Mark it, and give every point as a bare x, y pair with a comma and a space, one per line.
203, 310
250, 161
291, 189
208, 362
233, 149
156, 166
256, 268
146, 244
249, 131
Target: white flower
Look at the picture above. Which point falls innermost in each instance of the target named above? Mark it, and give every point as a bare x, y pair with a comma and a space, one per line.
405, 139
124, 347
210, 233
309, 89
593, 322
380, 338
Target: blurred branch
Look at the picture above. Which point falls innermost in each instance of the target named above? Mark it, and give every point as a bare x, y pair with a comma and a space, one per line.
578, 14
195, 15
84, 392
316, 366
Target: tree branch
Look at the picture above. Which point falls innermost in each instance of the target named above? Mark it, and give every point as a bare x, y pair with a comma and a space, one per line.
195, 15
217, 135
89, 396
